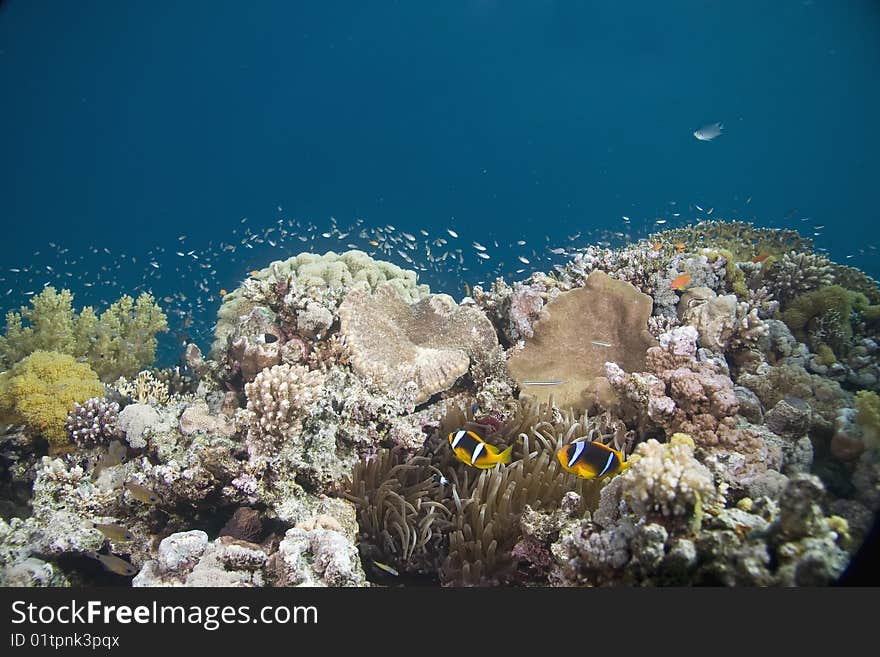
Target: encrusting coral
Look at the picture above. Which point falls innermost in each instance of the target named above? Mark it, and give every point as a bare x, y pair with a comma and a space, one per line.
581, 330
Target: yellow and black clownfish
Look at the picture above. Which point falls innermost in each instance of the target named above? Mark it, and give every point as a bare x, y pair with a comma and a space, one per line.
471, 449
591, 460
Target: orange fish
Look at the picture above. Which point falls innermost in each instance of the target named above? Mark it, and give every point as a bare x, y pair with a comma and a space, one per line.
374, 243
657, 246
223, 292
761, 257
681, 282
254, 272
679, 247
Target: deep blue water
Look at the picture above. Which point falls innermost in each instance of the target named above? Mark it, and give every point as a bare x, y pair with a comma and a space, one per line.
128, 124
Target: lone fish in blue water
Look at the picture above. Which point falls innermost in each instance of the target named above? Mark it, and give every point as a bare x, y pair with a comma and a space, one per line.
709, 132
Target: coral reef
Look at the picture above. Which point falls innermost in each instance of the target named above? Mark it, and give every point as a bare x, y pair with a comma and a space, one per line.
733, 370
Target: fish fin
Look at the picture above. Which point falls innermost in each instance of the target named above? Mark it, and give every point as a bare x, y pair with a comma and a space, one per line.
505, 456
624, 466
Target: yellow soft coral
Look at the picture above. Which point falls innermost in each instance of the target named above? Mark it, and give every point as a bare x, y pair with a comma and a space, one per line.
868, 416
119, 342
40, 391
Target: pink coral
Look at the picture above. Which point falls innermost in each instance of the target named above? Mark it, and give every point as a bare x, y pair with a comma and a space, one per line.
525, 309
683, 392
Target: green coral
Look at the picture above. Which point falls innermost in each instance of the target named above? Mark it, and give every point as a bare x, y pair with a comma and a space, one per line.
856, 280
39, 391
119, 342
821, 318
733, 275
868, 412
742, 239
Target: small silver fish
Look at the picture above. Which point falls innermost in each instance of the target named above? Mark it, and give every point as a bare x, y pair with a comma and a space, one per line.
114, 564
141, 493
543, 383
709, 132
599, 343
112, 531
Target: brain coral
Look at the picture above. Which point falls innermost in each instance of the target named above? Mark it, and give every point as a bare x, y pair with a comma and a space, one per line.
581, 330
431, 342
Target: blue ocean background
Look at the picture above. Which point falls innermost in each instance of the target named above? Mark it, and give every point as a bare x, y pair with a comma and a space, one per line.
134, 131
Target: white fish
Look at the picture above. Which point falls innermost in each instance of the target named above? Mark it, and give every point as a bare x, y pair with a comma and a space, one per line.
660, 221
521, 242
709, 132
478, 246
599, 343
484, 256
524, 260
543, 383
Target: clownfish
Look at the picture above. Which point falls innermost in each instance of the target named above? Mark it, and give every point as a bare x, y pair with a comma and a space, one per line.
471, 449
591, 460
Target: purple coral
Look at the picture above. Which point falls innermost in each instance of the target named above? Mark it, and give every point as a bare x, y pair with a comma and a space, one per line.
93, 422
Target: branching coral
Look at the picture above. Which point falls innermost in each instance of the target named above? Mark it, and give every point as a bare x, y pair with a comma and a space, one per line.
145, 388
792, 274
278, 399
117, 343
93, 422
666, 479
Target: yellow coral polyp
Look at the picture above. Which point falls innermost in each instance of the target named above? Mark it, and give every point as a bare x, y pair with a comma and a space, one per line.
682, 439
40, 390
